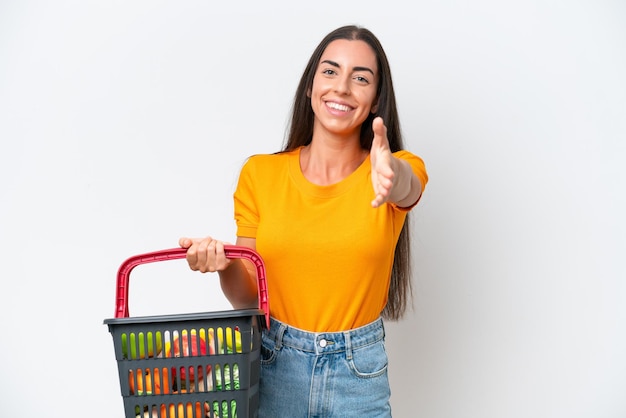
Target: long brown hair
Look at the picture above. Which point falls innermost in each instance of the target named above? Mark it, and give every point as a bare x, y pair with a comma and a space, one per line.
300, 132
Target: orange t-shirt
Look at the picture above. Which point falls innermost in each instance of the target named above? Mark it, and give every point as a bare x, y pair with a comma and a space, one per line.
328, 254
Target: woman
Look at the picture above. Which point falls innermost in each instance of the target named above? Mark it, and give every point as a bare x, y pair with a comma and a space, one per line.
328, 215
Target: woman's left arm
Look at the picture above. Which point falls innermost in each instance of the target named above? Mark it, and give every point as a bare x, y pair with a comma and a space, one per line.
392, 178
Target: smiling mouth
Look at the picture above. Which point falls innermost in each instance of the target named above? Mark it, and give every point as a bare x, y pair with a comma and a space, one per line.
338, 106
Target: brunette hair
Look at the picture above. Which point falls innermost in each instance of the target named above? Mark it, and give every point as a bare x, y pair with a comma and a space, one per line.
300, 133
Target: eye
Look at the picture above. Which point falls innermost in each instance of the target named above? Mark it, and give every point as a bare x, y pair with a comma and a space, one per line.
361, 79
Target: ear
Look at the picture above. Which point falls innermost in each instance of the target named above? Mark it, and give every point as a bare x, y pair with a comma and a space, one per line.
308, 93
374, 108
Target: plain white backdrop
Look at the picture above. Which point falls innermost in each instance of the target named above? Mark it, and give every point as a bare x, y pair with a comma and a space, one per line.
123, 125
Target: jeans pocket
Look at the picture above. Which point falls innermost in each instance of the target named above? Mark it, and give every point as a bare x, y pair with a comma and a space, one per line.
370, 360
268, 351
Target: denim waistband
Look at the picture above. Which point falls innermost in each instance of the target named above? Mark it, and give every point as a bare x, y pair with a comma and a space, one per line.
325, 342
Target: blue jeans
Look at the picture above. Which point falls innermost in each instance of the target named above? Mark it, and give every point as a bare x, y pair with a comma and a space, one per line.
320, 375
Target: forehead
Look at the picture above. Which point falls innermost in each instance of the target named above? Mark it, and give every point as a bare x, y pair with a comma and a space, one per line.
350, 53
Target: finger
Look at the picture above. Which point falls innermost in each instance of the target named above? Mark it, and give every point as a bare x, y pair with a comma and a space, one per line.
203, 253
376, 123
378, 200
220, 254
192, 257
186, 242
385, 178
379, 128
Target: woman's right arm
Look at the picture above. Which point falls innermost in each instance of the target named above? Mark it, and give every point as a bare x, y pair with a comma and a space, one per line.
237, 276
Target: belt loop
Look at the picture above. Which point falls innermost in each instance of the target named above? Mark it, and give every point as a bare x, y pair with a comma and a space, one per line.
348, 345
279, 335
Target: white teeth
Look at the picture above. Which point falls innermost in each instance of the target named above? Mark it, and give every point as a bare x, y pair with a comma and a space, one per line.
338, 106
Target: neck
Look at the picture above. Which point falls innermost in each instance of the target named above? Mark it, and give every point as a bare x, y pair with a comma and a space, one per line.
326, 165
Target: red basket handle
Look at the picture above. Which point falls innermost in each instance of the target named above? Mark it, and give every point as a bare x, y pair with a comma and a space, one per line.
232, 251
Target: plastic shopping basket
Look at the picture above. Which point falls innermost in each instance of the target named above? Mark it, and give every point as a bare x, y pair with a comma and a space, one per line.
189, 365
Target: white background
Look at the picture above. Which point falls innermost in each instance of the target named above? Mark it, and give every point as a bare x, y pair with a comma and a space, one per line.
123, 125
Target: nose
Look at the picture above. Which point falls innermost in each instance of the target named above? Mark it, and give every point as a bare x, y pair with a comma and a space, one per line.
342, 85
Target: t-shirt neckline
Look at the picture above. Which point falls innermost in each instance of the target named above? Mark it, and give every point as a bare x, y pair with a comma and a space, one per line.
325, 191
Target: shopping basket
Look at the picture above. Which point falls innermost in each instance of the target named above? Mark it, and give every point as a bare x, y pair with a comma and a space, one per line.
190, 365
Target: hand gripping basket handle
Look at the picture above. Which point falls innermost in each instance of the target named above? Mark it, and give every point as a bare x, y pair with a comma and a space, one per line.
232, 251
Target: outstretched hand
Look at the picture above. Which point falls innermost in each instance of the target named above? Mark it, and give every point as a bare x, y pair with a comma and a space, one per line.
383, 168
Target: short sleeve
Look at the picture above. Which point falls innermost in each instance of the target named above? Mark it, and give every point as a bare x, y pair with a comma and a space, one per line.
419, 169
245, 203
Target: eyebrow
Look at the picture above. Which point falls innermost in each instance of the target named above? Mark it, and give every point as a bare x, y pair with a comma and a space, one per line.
334, 64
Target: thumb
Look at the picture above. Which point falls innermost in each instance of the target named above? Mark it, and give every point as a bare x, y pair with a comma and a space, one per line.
185, 242
379, 128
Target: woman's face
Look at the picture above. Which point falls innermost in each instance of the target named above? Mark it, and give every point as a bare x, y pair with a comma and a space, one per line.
344, 87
